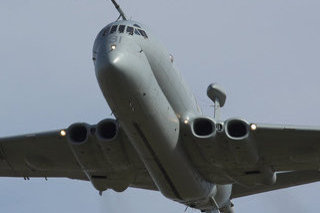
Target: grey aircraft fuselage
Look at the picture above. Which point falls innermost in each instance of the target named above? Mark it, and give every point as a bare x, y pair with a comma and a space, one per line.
152, 103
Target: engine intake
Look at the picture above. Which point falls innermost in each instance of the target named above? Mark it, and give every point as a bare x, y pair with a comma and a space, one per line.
78, 133
107, 129
237, 128
203, 127
243, 147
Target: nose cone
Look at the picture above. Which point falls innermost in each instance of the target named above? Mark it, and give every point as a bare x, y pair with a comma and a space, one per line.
109, 63
117, 59
123, 66
120, 74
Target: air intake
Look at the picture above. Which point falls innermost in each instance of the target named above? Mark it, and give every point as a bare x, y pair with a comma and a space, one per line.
237, 129
107, 129
78, 133
203, 127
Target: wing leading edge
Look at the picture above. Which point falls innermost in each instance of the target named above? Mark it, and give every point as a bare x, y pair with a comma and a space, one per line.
115, 164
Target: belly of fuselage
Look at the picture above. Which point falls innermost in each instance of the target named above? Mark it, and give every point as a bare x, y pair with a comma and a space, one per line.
136, 99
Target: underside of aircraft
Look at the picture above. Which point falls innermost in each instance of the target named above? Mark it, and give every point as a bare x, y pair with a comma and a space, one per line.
159, 139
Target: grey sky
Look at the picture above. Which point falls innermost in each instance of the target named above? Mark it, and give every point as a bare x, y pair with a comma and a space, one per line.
264, 53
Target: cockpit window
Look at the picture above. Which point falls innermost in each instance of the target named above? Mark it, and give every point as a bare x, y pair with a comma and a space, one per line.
143, 33
136, 25
113, 29
130, 30
106, 31
136, 32
121, 28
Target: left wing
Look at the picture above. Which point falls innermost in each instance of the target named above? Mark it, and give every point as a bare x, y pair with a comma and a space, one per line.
284, 180
107, 163
288, 147
258, 157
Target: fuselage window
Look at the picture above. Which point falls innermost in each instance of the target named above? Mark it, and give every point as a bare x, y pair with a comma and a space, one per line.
113, 29
121, 28
136, 32
130, 30
106, 31
143, 33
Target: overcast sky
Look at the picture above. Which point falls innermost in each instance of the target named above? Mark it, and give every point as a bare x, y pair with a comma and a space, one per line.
264, 53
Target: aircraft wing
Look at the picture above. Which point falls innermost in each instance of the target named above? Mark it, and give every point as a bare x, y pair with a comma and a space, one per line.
270, 158
287, 148
107, 164
284, 180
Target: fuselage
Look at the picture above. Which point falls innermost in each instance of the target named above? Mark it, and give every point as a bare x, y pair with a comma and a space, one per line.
148, 96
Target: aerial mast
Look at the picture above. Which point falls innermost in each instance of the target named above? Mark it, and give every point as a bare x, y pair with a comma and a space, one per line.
217, 94
119, 10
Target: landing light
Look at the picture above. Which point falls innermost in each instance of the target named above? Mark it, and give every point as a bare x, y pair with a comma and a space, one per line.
113, 47
186, 121
253, 127
63, 133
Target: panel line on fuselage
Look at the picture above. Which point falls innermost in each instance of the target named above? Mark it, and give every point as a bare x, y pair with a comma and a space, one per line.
164, 172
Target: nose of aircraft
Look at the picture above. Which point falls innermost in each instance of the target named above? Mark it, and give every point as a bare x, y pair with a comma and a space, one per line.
117, 59
124, 64
108, 62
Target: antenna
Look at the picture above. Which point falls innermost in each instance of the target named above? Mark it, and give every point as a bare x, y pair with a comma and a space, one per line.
119, 10
218, 96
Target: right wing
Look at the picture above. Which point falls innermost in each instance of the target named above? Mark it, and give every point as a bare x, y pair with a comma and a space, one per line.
107, 163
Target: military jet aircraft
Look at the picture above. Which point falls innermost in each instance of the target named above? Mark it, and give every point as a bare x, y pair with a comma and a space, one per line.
160, 140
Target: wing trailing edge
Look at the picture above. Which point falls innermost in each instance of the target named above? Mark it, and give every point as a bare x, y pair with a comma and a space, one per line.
284, 180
